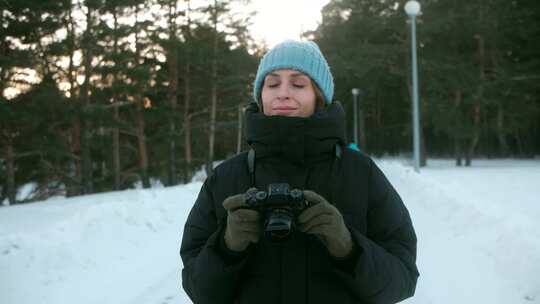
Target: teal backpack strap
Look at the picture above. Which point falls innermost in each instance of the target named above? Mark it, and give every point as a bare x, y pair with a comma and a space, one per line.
339, 151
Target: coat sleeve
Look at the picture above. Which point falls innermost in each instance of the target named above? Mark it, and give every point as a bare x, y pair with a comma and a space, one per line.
384, 266
210, 273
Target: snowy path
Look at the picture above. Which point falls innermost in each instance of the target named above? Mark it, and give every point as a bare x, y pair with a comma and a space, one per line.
164, 291
479, 240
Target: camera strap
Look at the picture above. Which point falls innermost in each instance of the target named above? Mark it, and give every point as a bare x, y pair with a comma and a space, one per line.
335, 173
251, 165
251, 162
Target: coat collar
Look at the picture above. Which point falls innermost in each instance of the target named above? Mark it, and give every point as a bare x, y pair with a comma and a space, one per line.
296, 139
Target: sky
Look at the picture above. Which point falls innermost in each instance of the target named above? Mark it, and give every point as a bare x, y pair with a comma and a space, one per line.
277, 20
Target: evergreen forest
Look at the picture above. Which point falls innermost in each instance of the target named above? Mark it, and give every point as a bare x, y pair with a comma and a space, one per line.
103, 95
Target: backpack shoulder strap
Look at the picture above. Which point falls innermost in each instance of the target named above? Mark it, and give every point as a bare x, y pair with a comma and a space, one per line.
339, 151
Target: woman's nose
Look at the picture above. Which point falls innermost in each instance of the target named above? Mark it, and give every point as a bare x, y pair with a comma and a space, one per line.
283, 92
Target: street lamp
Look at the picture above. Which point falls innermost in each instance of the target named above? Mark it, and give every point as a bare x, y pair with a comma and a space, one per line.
412, 8
355, 93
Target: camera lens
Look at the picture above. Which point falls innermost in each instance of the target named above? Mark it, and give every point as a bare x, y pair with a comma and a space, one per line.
261, 195
279, 224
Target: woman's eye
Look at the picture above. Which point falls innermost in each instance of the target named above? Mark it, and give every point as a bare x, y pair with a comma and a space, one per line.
272, 85
298, 85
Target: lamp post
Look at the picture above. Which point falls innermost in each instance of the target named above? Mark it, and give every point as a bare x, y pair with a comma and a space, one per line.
355, 93
412, 8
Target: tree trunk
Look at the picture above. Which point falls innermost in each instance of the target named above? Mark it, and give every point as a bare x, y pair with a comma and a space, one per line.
116, 151
239, 135
141, 137
76, 166
519, 142
141, 140
172, 62
479, 97
10, 172
458, 149
87, 167
115, 131
377, 141
172, 146
187, 146
458, 152
187, 100
476, 136
212, 133
74, 169
501, 131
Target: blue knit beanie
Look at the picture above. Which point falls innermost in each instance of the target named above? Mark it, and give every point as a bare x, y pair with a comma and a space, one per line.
305, 57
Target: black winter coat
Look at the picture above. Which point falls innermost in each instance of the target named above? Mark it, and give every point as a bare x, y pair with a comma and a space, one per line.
307, 153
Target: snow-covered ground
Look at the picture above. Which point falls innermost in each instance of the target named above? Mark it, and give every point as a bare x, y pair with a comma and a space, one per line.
478, 230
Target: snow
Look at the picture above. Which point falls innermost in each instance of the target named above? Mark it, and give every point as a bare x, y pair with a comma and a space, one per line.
119, 247
479, 239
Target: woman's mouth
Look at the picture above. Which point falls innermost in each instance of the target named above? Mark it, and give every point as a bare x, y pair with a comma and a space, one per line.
284, 109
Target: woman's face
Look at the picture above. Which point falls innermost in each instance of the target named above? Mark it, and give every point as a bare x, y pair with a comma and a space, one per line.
288, 93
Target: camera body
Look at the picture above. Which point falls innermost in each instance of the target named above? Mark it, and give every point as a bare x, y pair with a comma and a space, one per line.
279, 207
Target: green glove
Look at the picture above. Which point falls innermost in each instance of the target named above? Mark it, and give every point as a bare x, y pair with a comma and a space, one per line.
326, 222
243, 225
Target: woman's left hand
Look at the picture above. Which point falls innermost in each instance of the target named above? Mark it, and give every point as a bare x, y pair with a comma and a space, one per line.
325, 221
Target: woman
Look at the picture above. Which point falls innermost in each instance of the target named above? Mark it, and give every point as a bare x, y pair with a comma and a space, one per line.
354, 244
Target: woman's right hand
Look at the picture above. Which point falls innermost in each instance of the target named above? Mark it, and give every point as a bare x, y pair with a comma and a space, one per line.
243, 225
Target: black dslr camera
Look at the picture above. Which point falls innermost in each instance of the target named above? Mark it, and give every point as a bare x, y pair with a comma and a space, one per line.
279, 207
